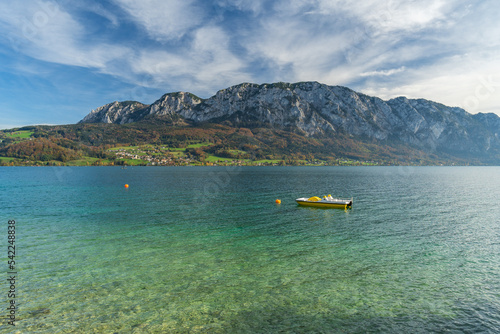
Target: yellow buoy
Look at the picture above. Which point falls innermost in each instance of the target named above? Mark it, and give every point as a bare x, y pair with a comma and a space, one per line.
126, 186
278, 201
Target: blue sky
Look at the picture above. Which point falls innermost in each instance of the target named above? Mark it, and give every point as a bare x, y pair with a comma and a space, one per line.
61, 59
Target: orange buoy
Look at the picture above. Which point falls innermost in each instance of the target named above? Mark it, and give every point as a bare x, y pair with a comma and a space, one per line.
278, 201
126, 186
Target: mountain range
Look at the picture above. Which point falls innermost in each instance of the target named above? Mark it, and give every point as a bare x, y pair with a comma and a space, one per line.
316, 110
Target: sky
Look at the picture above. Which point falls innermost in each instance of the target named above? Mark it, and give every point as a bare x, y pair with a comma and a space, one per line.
59, 59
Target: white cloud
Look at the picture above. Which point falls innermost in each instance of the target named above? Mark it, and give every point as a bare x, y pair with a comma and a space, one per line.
293, 49
255, 6
471, 82
385, 73
44, 31
337, 33
164, 19
388, 16
99, 9
208, 64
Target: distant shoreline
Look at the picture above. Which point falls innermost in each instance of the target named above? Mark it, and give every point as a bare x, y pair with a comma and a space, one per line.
249, 165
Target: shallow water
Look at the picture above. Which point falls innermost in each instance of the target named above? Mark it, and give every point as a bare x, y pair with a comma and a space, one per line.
188, 250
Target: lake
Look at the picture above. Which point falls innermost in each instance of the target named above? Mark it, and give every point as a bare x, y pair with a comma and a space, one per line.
207, 250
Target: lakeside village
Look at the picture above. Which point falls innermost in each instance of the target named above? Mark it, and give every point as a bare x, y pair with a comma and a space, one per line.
192, 155
148, 155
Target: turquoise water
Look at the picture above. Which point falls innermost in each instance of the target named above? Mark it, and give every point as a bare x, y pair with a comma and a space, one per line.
207, 250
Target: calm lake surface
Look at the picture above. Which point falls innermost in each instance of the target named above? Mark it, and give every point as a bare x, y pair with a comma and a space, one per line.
207, 250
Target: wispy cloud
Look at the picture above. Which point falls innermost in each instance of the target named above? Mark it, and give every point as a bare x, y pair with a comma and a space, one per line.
164, 19
206, 63
45, 31
98, 9
385, 73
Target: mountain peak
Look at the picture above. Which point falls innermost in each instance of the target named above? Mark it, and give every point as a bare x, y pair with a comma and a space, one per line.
316, 109
114, 112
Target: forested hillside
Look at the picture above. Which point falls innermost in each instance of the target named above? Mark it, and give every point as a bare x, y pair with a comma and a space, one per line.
156, 143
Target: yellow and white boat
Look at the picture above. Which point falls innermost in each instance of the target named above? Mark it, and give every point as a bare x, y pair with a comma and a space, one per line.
325, 202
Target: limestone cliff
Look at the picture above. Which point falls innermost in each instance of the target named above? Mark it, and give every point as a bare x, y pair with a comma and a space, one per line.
315, 109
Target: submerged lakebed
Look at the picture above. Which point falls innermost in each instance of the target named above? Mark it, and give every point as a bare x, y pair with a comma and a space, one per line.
207, 249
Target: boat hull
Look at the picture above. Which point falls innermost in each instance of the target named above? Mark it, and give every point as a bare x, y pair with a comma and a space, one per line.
325, 204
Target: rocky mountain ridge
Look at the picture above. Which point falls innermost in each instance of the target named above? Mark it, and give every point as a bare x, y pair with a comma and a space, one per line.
314, 109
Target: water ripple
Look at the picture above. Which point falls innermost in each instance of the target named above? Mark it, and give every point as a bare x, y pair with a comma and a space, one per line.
192, 250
